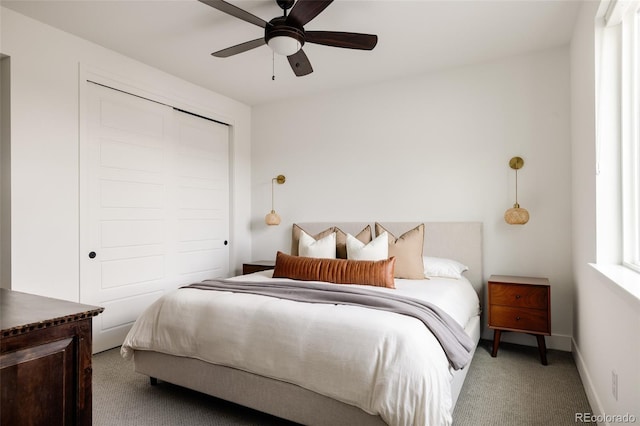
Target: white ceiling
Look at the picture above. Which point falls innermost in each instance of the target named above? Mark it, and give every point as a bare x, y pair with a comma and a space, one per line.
414, 37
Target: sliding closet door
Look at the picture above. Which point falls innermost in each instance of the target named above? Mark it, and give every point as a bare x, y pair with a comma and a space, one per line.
201, 203
154, 206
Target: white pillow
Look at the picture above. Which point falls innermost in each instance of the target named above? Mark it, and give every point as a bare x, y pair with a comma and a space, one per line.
378, 249
322, 248
441, 267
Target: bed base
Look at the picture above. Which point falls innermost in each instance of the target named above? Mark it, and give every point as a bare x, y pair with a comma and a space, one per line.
265, 394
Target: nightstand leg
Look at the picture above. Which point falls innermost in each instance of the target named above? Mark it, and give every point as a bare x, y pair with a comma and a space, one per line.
542, 348
496, 342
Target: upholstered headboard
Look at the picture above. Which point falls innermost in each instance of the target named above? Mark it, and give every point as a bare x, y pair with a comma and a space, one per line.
461, 241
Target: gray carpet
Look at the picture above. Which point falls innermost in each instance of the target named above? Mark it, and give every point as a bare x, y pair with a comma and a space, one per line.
516, 389
512, 389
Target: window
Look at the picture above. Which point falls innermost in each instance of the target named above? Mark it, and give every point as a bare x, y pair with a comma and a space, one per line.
630, 134
618, 134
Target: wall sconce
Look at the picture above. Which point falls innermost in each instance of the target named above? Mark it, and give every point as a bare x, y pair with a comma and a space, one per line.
516, 215
273, 218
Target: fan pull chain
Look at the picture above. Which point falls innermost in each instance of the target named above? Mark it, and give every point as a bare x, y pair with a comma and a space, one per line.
273, 66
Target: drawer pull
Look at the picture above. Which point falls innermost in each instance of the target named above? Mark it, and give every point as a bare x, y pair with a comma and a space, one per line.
517, 318
518, 296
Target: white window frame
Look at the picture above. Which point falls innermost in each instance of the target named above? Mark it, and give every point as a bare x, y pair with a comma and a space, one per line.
630, 133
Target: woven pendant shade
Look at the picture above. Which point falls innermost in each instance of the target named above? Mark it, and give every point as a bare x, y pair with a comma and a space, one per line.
516, 215
272, 218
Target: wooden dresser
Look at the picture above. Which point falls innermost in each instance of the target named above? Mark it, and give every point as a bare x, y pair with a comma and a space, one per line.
45, 360
520, 304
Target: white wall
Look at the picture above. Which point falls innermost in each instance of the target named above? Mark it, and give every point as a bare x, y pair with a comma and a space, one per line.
45, 65
434, 148
606, 319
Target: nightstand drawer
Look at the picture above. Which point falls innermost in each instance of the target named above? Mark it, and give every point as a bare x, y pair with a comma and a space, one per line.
257, 266
529, 320
526, 296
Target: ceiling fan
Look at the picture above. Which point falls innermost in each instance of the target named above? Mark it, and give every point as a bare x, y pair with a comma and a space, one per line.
285, 34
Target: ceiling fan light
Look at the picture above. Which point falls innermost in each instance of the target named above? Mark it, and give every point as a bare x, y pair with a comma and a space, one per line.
284, 45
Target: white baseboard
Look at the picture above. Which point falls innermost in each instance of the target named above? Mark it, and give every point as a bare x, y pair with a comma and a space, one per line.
592, 395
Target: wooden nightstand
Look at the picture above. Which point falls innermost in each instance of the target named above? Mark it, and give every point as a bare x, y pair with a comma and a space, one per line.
521, 304
257, 266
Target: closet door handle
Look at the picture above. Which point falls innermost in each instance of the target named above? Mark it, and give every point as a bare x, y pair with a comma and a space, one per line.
92, 254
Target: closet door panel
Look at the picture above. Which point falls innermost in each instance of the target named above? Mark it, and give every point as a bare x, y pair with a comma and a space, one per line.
202, 189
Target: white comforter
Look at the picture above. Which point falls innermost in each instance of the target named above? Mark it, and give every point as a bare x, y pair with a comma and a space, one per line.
384, 363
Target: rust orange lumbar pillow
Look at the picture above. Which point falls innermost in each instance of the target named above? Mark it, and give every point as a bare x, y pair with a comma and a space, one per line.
377, 273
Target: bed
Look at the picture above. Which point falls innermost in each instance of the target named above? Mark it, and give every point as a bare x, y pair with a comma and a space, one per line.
280, 388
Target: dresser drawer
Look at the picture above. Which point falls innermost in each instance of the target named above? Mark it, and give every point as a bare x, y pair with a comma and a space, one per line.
519, 319
517, 295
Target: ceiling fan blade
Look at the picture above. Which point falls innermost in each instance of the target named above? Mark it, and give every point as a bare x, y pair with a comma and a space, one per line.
235, 11
305, 10
239, 48
342, 39
300, 63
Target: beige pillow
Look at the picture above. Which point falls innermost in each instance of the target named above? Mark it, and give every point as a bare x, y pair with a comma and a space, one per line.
295, 237
407, 249
363, 236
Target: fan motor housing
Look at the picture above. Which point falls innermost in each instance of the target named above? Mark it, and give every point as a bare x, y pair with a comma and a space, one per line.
285, 4
279, 28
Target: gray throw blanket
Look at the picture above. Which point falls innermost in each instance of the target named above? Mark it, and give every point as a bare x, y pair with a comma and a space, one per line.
456, 343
